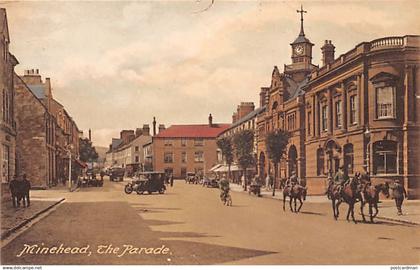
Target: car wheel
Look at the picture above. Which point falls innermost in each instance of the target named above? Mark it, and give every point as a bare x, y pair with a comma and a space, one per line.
128, 189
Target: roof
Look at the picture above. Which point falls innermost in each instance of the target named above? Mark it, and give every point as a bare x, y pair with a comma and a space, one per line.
247, 117
37, 89
193, 131
295, 89
301, 39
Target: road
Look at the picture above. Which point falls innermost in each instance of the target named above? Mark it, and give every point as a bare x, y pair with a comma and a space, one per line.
193, 227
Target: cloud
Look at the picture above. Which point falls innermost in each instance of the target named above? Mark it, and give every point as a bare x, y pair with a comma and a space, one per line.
115, 65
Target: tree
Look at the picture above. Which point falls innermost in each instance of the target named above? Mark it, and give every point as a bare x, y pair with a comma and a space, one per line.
276, 143
244, 145
225, 145
87, 152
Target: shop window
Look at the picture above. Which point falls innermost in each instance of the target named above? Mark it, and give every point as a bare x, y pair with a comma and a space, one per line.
385, 157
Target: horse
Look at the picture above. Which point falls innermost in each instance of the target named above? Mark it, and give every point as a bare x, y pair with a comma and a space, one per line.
371, 197
349, 194
296, 192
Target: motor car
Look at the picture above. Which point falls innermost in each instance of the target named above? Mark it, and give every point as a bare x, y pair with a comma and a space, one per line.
116, 174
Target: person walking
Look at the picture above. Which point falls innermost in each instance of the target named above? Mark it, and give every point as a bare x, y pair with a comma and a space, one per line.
26, 187
399, 193
13, 186
172, 180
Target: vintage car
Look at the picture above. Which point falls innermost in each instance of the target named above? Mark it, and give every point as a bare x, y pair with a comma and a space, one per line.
116, 174
210, 182
147, 182
191, 178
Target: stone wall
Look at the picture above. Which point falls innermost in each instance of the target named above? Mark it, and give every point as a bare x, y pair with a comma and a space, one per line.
32, 153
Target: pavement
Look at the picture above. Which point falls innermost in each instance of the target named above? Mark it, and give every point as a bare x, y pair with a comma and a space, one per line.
13, 218
197, 228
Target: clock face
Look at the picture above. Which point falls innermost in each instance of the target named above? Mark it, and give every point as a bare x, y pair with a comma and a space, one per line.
299, 49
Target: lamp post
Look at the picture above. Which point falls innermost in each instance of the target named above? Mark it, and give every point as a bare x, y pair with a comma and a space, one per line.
69, 148
367, 135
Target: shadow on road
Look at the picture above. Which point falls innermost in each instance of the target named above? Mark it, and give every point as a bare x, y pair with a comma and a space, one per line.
115, 224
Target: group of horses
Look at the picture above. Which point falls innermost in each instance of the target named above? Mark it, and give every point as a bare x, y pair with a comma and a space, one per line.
357, 191
352, 192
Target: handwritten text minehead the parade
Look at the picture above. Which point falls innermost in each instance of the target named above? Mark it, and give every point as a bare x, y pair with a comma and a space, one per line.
107, 249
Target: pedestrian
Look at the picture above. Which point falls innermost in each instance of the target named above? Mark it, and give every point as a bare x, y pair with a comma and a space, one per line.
13, 186
399, 193
172, 180
26, 187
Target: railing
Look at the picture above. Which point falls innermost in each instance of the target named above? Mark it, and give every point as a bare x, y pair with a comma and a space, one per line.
387, 42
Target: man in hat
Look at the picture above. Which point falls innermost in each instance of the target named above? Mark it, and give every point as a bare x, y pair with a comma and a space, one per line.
399, 193
293, 180
14, 190
340, 178
26, 187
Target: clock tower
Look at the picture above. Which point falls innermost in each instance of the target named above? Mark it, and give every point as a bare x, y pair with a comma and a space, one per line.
301, 53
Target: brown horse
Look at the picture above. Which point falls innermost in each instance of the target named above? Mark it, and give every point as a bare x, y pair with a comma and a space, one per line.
371, 197
296, 192
349, 194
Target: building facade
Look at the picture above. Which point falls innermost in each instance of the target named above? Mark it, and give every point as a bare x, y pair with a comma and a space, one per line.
36, 137
7, 119
186, 148
127, 151
360, 109
245, 118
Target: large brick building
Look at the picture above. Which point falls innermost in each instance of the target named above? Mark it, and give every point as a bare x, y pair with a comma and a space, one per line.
186, 148
361, 108
7, 118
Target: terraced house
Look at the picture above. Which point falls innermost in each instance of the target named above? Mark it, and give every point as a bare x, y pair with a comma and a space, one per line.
360, 108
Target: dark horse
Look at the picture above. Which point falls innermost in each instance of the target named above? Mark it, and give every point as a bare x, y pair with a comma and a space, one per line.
349, 194
371, 197
296, 192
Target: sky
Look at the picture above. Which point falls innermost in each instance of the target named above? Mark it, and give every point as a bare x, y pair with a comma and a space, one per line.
115, 65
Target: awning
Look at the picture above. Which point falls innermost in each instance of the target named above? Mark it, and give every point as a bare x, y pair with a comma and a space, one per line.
215, 167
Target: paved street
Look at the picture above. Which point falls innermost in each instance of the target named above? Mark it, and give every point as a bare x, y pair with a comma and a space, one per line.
192, 223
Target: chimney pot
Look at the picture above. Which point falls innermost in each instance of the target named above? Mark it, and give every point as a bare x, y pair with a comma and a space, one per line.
210, 120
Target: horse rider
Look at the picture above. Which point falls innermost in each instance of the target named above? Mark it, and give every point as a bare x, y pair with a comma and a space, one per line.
399, 193
341, 178
224, 187
293, 180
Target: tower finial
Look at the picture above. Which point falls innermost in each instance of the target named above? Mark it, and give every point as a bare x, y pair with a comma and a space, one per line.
301, 11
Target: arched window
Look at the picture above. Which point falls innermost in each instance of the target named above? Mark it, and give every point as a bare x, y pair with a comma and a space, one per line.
348, 158
320, 156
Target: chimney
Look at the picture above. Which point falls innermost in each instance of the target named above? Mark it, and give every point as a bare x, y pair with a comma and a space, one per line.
161, 128
127, 136
327, 53
234, 116
154, 126
245, 108
146, 130
90, 135
210, 120
139, 132
263, 94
